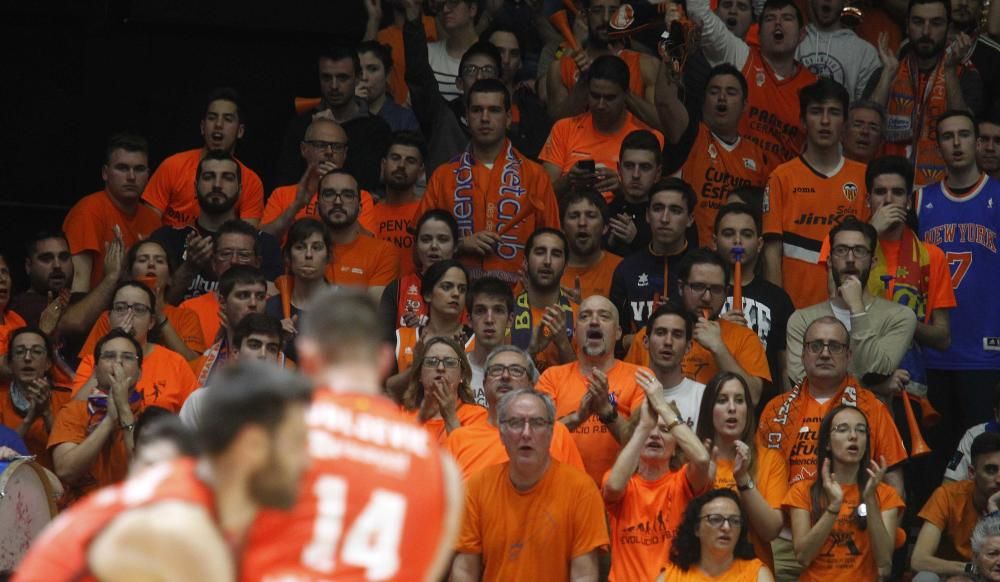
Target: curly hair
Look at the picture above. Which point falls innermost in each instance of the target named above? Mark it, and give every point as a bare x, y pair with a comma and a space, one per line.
413, 397
686, 549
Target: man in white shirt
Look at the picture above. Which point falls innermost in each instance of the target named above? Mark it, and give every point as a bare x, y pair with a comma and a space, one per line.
668, 339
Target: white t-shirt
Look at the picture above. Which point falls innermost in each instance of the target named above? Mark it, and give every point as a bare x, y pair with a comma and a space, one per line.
687, 395
190, 413
961, 462
445, 69
476, 383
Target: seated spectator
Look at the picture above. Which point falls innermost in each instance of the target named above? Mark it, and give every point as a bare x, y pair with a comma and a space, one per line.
531, 489
92, 439
986, 549
705, 546
49, 266
667, 341
490, 308
160, 437
232, 250
171, 190
943, 545
960, 466
31, 400
258, 336
844, 521
438, 393
589, 268
644, 497
376, 68
479, 445
114, 212
864, 131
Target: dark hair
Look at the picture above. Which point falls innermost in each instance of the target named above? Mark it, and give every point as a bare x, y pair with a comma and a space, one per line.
726, 69
824, 452
128, 142
159, 424
852, 224
219, 156
642, 139
415, 392
339, 321
671, 308
226, 94
706, 422
702, 256
237, 226
31, 246
115, 334
261, 323
889, 165
491, 287
686, 548
488, 86
439, 215
49, 346
239, 275
409, 138
610, 68
584, 194
435, 273
381, 51
133, 254
946, 3
304, 228
955, 113
480, 48
871, 106
494, 28
530, 244
780, 5
738, 208
984, 444
340, 53
244, 393
675, 185
137, 285
824, 89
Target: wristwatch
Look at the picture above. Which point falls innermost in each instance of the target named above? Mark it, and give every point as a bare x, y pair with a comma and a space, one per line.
608, 419
750, 485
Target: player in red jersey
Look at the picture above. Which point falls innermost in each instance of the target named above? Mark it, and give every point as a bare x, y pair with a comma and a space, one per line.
182, 520
381, 500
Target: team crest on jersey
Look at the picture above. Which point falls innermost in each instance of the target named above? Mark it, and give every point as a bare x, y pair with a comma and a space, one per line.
750, 164
850, 191
761, 78
623, 18
643, 280
714, 153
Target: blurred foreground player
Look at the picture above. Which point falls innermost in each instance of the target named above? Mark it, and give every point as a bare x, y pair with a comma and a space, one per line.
381, 500
181, 520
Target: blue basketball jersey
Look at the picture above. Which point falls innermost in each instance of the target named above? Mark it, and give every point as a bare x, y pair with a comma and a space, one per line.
965, 228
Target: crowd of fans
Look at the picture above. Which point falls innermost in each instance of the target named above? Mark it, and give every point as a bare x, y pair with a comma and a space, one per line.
690, 305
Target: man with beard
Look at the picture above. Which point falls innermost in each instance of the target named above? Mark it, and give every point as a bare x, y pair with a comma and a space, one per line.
171, 190
775, 76
489, 304
595, 395
880, 330
391, 219
589, 268
864, 131
339, 69
711, 155
833, 51
640, 165
177, 520
49, 266
114, 212
219, 187
944, 82
543, 312
477, 446
359, 260
988, 146
667, 341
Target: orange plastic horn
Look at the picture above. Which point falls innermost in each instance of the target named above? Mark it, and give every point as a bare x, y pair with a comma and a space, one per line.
561, 21
284, 285
918, 447
571, 6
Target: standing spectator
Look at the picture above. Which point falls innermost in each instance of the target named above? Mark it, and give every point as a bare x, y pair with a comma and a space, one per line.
988, 146
490, 307
864, 132
984, 54
458, 24
640, 167
392, 218
834, 51
667, 341
588, 266
376, 68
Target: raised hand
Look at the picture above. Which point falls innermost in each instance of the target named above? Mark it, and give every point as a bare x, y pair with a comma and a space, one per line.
53, 312
876, 473
652, 387
890, 63
888, 217
741, 462
623, 227
833, 490
576, 293
114, 256
957, 51
198, 249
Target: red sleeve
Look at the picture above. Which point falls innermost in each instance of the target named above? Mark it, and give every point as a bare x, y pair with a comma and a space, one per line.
941, 294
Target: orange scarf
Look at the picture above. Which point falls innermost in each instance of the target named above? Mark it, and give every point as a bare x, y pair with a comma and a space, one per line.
915, 102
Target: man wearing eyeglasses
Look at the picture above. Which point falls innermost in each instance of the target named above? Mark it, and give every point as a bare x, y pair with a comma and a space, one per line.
533, 517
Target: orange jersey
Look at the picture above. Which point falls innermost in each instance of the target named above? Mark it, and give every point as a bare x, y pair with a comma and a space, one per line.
376, 478
595, 280
514, 197
282, 197
393, 36
9, 321
171, 190
533, 534
714, 169
772, 116
184, 321
478, 446
90, 224
575, 138
364, 262
847, 552
166, 379
59, 554
790, 425
801, 205
643, 524
391, 223
739, 571
570, 73
37, 437
567, 385
950, 508
206, 307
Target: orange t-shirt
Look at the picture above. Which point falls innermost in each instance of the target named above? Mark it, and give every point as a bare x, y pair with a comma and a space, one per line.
714, 169
468, 415
575, 138
771, 118
643, 523
595, 280
11, 322
171, 190
739, 571
37, 437
478, 446
950, 508
790, 425
365, 262
376, 477
846, 553
283, 196
166, 379
533, 534
801, 206
90, 224
391, 223
183, 320
393, 36
567, 385
475, 201
570, 73
206, 307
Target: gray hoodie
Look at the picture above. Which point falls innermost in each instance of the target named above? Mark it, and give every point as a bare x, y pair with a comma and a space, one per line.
840, 55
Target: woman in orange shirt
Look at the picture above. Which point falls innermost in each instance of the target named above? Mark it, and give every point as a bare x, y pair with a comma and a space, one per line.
439, 393
841, 520
9, 321
711, 543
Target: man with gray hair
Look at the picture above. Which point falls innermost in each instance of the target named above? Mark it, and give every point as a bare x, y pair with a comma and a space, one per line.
986, 549
477, 446
864, 130
532, 517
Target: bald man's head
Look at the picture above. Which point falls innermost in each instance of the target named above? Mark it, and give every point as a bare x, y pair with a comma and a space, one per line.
325, 140
597, 328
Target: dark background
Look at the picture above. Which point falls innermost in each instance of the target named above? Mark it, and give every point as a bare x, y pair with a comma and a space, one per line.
76, 72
